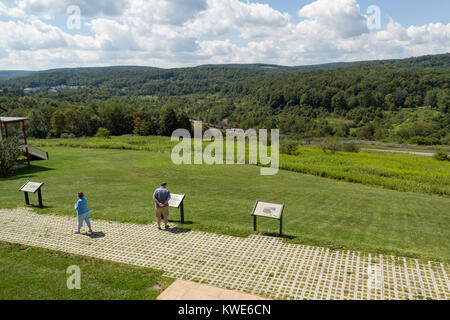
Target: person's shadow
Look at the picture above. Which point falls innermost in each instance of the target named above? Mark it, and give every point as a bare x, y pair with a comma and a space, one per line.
177, 230
95, 235
179, 221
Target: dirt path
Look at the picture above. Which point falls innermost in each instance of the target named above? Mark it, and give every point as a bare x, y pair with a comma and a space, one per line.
426, 154
258, 265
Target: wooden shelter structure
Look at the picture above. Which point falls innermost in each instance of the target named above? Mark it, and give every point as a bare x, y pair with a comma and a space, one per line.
30, 152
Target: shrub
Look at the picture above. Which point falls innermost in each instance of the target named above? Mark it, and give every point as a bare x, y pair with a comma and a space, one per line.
289, 147
103, 133
330, 145
350, 147
441, 155
67, 136
424, 141
10, 153
446, 140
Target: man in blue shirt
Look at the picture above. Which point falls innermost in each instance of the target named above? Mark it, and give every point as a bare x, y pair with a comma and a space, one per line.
161, 196
82, 213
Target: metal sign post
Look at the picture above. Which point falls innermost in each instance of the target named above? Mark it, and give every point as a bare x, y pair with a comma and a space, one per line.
176, 201
32, 187
268, 210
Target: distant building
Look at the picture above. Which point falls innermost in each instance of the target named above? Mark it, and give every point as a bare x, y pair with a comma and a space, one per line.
31, 90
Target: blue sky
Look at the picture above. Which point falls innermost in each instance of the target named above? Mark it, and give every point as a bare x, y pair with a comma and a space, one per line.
174, 33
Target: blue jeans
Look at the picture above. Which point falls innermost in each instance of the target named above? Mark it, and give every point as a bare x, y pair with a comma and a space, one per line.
83, 217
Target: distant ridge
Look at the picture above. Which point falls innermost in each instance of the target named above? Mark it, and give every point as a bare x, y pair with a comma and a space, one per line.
126, 76
438, 60
97, 69
14, 74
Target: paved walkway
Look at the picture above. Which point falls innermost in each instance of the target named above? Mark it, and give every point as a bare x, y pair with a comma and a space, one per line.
188, 290
259, 265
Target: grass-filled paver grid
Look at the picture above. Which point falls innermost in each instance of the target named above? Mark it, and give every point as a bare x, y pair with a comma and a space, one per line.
258, 265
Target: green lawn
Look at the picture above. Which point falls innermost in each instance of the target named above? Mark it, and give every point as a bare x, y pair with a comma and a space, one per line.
43, 274
319, 211
402, 172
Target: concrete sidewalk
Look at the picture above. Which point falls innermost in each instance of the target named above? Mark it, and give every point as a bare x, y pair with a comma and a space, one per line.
187, 290
258, 265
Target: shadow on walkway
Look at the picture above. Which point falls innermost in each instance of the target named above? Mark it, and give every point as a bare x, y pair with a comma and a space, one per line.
37, 207
179, 221
176, 230
277, 235
95, 235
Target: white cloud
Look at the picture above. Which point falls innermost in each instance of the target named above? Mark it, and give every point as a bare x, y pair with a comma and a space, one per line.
342, 17
88, 8
169, 33
18, 36
172, 12
112, 35
12, 12
223, 16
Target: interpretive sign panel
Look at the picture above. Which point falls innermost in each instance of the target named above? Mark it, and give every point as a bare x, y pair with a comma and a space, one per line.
31, 187
176, 200
268, 210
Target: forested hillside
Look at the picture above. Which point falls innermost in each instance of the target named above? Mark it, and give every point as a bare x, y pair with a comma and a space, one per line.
14, 73
393, 100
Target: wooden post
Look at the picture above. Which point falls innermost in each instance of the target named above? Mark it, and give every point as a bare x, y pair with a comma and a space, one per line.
27, 199
182, 212
281, 225
6, 130
28, 156
254, 217
40, 198
24, 132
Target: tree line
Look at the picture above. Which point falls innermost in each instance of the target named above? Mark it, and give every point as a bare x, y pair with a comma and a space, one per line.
402, 100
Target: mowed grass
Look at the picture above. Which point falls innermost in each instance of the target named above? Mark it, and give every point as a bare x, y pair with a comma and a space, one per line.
402, 172
43, 274
119, 185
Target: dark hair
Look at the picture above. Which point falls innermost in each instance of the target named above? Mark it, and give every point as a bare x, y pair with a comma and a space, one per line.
80, 195
163, 184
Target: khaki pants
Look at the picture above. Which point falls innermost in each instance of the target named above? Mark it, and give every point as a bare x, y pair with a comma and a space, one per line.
162, 212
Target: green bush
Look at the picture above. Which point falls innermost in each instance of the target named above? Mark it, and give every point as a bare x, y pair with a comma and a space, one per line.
10, 154
441, 155
330, 145
446, 140
424, 141
67, 136
350, 147
289, 147
103, 133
